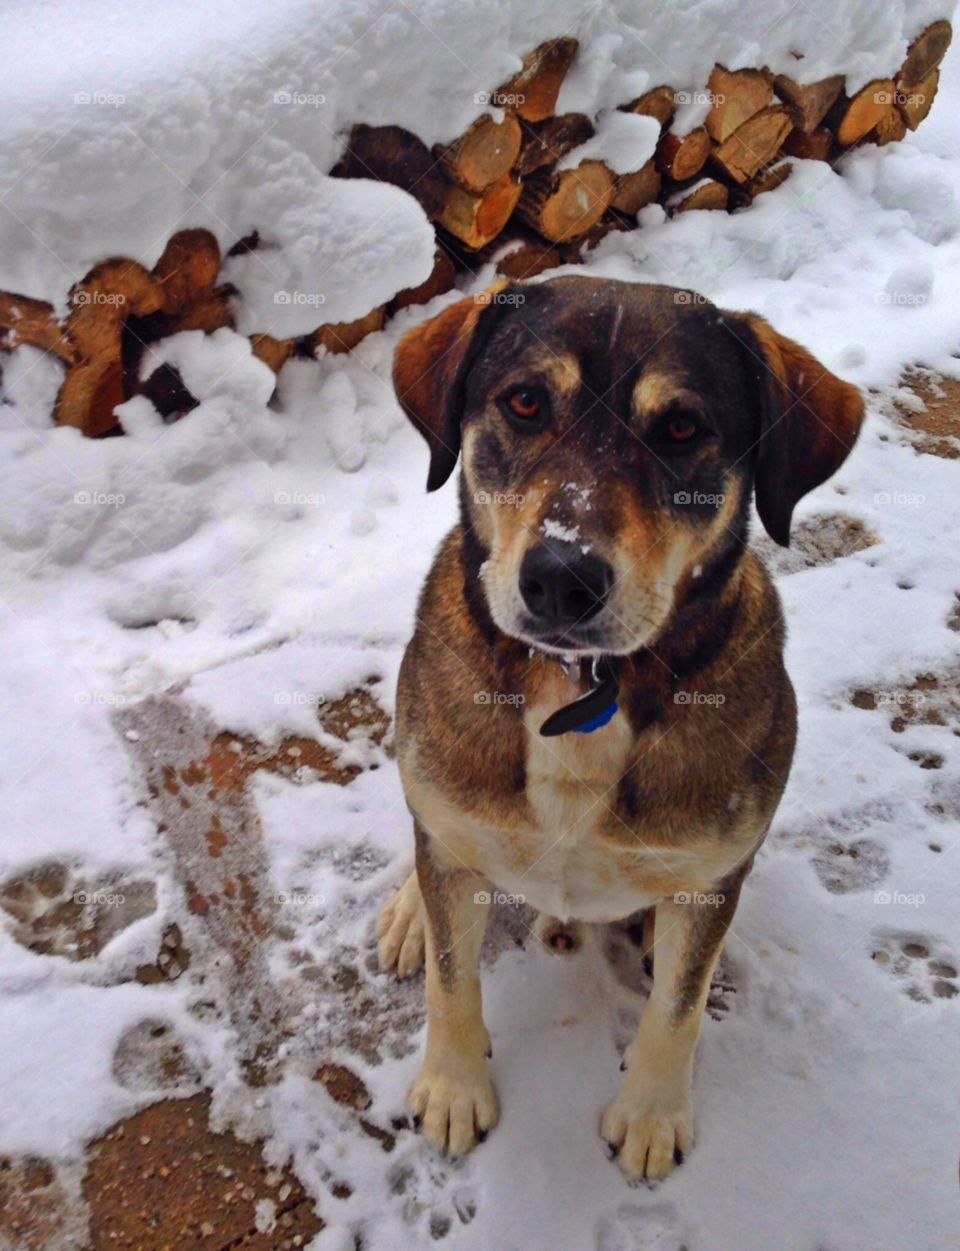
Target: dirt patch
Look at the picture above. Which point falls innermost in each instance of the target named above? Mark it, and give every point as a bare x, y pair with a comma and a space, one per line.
34, 1212
931, 412
164, 1179
930, 699
818, 540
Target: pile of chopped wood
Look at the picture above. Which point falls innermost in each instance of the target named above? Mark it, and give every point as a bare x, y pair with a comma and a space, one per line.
502, 192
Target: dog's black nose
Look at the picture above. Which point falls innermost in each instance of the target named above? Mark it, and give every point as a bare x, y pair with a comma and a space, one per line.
563, 585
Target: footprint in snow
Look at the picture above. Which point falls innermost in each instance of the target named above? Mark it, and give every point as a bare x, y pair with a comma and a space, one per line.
923, 969
421, 1184
640, 1227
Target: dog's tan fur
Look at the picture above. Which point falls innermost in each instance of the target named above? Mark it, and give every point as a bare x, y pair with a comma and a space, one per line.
664, 806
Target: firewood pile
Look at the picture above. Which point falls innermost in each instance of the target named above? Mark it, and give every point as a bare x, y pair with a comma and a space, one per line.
502, 193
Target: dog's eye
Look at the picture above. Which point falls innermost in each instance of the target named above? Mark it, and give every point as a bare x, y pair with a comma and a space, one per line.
678, 432
525, 408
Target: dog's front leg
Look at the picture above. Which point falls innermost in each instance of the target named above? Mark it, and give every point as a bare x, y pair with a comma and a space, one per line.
453, 1098
650, 1124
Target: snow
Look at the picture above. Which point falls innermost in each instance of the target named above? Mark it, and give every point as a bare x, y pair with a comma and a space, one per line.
261, 557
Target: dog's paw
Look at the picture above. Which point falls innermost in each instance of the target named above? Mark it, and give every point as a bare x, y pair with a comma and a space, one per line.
454, 1105
400, 930
648, 1132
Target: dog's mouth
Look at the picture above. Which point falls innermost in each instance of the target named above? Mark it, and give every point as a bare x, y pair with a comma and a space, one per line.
574, 641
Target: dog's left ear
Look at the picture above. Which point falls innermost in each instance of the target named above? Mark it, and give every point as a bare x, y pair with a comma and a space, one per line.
811, 420
430, 367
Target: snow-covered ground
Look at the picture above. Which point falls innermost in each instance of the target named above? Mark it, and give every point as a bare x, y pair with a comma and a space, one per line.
263, 555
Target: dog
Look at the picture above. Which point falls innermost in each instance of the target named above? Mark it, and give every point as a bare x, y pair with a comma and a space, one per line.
593, 712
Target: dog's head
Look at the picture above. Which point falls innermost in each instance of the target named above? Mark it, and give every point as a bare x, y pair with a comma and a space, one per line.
611, 434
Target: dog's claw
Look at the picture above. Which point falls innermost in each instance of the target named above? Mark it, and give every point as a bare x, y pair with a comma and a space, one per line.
416, 1123
678, 1156
623, 1066
481, 1135
612, 1150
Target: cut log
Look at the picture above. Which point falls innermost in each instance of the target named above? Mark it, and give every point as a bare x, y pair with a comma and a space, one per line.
477, 219
850, 119
754, 144
487, 151
564, 204
344, 336
187, 269
529, 259
808, 103
890, 129
680, 157
632, 192
34, 322
737, 95
659, 103
532, 93
914, 103
925, 53
813, 146
392, 154
707, 194
544, 143
440, 279
769, 180
111, 292
273, 352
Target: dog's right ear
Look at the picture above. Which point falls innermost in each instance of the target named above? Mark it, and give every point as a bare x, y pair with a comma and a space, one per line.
430, 367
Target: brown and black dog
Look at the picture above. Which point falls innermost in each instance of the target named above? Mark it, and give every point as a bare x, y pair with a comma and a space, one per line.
612, 434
